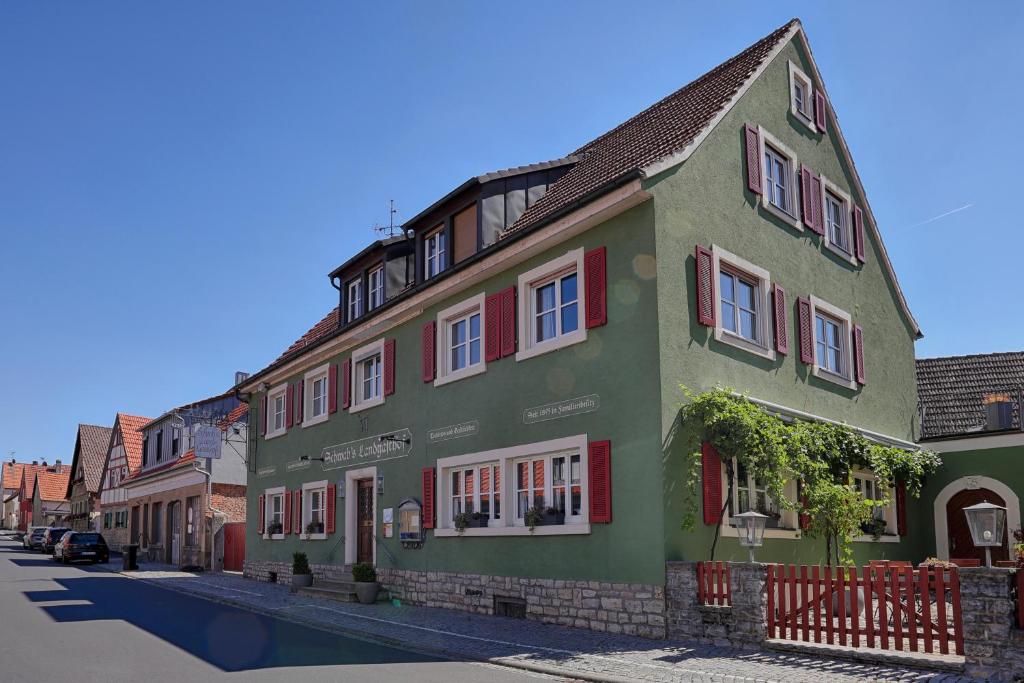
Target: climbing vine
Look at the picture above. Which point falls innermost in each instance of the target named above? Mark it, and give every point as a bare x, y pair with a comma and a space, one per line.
820, 456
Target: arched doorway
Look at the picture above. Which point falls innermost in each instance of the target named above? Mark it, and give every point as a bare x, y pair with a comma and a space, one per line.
960, 543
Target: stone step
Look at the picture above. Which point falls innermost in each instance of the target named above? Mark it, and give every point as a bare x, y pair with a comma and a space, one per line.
347, 585
329, 593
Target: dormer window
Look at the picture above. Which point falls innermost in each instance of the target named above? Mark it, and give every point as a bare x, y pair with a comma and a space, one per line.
145, 450
159, 445
355, 298
376, 287
434, 253
175, 441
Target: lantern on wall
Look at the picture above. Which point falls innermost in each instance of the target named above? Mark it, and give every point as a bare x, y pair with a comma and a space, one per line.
750, 525
987, 523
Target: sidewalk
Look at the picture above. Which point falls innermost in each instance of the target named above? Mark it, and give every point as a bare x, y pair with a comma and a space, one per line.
555, 650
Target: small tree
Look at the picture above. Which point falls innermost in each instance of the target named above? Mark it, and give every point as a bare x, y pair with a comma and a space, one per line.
300, 564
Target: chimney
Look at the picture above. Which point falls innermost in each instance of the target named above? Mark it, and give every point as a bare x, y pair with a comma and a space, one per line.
998, 411
240, 377
35, 462
56, 463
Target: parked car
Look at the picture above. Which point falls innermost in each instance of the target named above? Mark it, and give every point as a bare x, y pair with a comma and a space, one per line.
34, 537
81, 545
51, 536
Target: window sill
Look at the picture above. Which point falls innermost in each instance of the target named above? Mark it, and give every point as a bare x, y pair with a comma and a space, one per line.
551, 530
884, 538
471, 371
804, 119
732, 339
313, 537
789, 218
565, 340
274, 537
841, 253
366, 404
839, 380
313, 421
273, 435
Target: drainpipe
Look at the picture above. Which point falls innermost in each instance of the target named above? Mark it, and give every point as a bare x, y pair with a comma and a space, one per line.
209, 505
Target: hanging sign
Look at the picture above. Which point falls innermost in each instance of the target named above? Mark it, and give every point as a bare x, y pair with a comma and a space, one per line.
207, 441
369, 450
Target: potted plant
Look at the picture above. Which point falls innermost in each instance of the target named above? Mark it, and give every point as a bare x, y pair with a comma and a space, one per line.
533, 517
461, 521
874, 527
274, 528
302, 577
315, 528
479, 520
365, 578
554, 516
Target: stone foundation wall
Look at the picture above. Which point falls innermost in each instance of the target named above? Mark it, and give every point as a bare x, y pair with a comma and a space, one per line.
260, 570
742, 624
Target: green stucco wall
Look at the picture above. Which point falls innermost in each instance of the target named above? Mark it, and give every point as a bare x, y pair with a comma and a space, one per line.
706, 201
618, 361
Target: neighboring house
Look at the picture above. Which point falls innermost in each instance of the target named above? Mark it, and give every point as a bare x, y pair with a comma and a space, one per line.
49, 502
19, 479
971, 415
524, 348
84, 485
123, 458
178, 503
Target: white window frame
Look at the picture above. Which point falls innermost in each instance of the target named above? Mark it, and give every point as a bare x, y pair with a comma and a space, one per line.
280, 391
307, 508
790, 519
764, 347
309, 417
505, 457
445, 320
846, 209
440, 256
474, 496
791, 215
796, 75
354, 298
540, 276
845, 379
358, 403
375, 298
890, 534
268, 496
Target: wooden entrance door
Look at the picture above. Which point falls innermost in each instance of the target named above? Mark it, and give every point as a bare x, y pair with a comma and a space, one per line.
960, 543
134, 529
364, 521
234, 546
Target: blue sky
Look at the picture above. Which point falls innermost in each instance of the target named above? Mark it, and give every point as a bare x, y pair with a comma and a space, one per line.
177, 179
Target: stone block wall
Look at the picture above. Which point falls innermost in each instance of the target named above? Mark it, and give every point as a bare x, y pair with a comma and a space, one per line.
741, 624
260, 570
993, 646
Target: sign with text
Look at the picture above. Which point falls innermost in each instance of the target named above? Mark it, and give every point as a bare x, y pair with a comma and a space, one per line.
368, 451
266, 471
567, 408
296, 465
454, 431
207, 441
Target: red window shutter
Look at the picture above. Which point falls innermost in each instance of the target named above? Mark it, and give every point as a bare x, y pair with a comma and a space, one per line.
297, 512
289, 410
805, 325
332, 388
595, 273
858, 234
332, 495
300, 402
389, 367
492, 327
806, 196
817, 210
901, 509
858, 354
804, 518
753, 148
261, 514
428, 497
346, 384
508, 321
781, 320
429, 352
287, 512
819, 110
711, 467
263, 412
600, 456
705, 286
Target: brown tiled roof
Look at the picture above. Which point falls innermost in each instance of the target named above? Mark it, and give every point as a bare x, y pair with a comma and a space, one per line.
187, 457
131, 436
951, 390
321, 329
91, 454
53, 485
654, 134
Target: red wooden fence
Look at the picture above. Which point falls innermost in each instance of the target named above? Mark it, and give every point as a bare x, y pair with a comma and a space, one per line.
713, 583
888, 607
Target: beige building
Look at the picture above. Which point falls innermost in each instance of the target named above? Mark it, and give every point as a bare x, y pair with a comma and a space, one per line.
123, 459
83, 491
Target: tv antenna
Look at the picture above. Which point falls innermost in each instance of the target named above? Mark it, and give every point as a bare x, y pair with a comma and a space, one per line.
390, 230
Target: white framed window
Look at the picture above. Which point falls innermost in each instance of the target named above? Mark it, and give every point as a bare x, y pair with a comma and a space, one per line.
368, 376
837, 207
497, 488
376, 287
355, 298
434, 253
460, 348
743, 315
314, 510
551, 307
778, 178
801, 95
744, 492
273, 525
316, 394
833, 350
277, 405
870, 488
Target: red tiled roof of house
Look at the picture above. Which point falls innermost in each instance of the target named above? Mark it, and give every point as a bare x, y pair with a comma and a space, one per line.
233, 417
328, 324
131, 437
52, 485
14, 471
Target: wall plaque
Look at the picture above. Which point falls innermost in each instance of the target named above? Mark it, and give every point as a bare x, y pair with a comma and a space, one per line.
266, 471
567, 408
454, 431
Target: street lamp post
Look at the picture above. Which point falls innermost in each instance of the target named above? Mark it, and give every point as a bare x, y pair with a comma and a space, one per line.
750, 524
987, 523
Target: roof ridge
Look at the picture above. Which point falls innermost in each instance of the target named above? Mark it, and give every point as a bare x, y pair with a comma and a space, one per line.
990, 354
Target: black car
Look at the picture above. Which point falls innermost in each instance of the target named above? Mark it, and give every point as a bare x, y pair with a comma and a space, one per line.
82, 545
51, 537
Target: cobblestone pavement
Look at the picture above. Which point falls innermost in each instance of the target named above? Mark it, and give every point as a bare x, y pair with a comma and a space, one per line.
571, 653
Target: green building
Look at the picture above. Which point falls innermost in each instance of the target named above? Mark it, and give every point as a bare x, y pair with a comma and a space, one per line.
488, 414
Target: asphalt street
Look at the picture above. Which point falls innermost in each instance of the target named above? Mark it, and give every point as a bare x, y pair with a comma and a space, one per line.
83, 623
